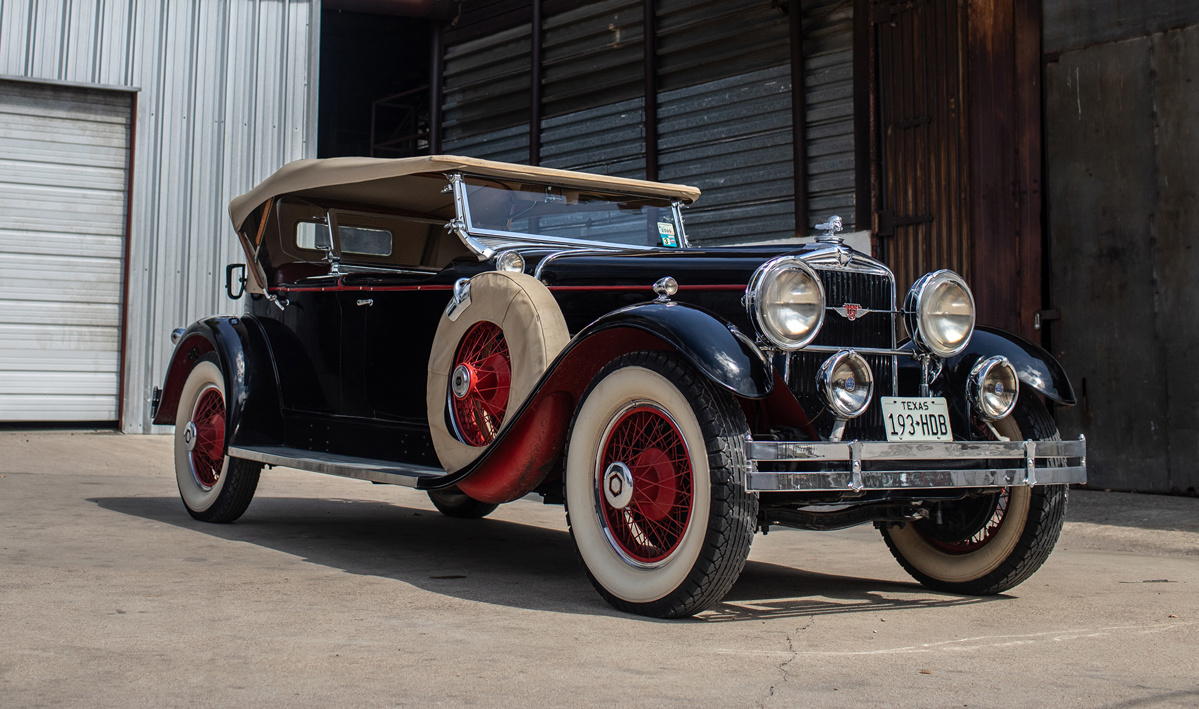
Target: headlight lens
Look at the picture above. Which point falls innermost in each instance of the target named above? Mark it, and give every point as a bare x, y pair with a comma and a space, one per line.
846, 383
509, 261
785, 300
993, 388
939, 311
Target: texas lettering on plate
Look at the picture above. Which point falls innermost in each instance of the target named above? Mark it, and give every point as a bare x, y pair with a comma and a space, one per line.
916, 418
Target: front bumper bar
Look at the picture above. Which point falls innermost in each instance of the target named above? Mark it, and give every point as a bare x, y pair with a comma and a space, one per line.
855, 466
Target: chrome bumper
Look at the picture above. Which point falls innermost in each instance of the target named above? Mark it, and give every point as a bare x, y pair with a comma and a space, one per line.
855, 466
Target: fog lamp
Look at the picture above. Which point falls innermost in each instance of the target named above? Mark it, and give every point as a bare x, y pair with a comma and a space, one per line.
846, 383
993, 388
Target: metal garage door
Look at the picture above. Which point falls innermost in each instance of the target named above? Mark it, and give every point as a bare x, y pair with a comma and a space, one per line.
64, 157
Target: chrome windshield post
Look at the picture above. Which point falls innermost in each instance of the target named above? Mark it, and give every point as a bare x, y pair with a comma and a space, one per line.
677, 208
460, 224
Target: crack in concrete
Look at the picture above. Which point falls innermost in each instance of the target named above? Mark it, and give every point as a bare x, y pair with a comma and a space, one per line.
783, 671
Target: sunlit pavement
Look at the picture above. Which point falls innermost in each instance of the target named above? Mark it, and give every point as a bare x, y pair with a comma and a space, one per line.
332, 592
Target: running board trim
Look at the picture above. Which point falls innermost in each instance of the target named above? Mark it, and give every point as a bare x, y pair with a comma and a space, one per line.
379, 471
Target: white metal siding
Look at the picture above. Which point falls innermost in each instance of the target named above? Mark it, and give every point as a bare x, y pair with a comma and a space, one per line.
64, 154
227, 96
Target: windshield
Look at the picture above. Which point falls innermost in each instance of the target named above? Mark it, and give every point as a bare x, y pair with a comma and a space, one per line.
546, 213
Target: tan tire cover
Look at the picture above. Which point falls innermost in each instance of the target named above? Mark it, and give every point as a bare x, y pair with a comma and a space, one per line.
535, 330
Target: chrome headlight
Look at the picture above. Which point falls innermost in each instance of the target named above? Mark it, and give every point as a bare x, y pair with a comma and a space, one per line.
939, 313
993, 388
509, 261
846, 383
785, 300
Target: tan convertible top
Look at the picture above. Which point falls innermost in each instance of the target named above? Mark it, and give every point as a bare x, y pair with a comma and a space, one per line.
396, 183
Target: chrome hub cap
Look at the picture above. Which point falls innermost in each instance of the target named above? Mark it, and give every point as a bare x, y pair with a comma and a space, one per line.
618, 485
460, 381
189, 435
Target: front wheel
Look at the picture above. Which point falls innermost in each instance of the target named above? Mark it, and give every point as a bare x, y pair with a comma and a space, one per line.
214, 487
992, 542
655, 488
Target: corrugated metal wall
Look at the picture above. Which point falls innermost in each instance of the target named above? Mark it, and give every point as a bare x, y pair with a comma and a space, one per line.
723, 104
829, 117
485, 112
227, 95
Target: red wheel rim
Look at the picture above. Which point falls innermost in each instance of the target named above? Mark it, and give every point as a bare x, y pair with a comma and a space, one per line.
985, 533
208, 453
652, 525
479, 410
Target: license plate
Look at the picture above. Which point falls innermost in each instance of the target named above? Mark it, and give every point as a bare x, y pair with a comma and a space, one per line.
911, 418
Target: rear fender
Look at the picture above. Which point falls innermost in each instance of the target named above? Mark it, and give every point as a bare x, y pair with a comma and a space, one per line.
253, 414
530, 449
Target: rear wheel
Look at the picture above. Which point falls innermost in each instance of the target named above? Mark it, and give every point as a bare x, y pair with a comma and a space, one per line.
214, 487
990, 543
655, 487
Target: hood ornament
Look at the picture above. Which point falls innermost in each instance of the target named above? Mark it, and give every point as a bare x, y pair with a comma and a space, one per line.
830, 229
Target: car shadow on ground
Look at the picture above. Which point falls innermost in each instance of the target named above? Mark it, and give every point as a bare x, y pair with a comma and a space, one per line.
505, 563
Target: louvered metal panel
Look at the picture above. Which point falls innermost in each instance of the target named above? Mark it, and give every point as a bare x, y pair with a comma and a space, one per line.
592, 56
700, 41
64, 155
609, 140
732, 139
227, 96
829, 118
487, 89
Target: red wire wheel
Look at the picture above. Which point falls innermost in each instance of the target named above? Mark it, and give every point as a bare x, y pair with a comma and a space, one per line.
208, 453
989, 521
480, 383
650, 527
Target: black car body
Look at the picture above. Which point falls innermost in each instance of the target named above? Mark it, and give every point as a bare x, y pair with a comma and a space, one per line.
485, 331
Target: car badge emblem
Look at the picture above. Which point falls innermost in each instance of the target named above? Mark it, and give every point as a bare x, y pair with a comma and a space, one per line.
850, 384
852, 311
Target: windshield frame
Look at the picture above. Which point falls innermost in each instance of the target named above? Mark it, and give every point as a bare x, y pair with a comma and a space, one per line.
470, 234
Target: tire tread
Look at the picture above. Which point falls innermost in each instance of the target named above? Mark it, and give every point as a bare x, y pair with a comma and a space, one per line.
733, 516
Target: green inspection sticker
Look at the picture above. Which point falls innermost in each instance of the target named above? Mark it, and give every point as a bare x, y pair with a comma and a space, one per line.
666, 234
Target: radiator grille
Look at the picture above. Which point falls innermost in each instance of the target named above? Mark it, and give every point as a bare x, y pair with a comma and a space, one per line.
874, 330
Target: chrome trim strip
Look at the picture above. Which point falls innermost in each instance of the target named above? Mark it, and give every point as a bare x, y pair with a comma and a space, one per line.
852, 454
859, 350
565, 252
909, 480
914, 450
380, 471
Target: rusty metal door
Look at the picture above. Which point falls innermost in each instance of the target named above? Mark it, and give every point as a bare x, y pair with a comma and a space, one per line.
920, 174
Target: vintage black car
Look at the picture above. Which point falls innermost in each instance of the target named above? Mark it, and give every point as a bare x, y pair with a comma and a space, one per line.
484, 331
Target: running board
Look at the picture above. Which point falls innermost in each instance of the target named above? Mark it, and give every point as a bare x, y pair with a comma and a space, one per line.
379, 471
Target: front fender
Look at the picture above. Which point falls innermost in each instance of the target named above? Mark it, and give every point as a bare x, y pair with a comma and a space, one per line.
529, 450
252, 411
712, 345
1036, 368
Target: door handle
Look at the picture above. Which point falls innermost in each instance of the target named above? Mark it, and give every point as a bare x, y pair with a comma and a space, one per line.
366, 301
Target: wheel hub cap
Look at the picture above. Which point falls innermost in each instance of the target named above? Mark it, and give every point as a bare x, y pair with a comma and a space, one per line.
189, 435
461, 381
618, 485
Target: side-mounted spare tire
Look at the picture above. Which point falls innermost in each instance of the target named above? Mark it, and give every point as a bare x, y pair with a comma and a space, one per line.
486, 361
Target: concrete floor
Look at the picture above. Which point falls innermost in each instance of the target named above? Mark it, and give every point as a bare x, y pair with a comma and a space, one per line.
338, 592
